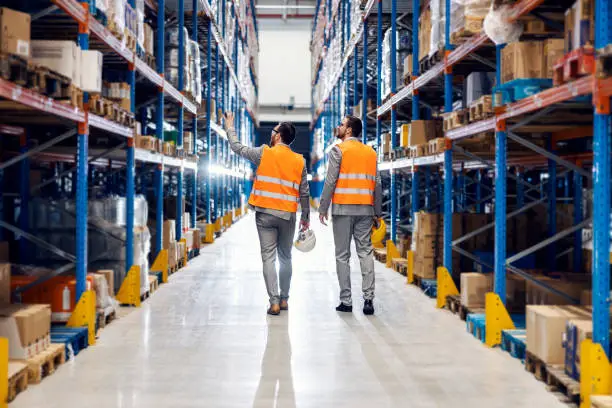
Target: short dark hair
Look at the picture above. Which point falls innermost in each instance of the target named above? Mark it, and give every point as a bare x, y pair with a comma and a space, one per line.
355, 124
287, 132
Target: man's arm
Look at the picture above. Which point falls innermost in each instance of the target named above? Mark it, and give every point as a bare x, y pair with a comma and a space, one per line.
252, 154
305, 197
333, 171
378, 195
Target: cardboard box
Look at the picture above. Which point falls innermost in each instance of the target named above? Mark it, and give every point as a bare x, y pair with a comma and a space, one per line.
386, 144
188, 235
33, 321
172, 254
169, 229
63, 57
422, 131
15, 32
553, 51
474, 286
546, 326
149, 39
408, 66
523, 60
425, 268
109, 275
91, 71
197, 238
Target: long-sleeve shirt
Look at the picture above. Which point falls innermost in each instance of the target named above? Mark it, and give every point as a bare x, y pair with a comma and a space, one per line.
254, 154
333, 172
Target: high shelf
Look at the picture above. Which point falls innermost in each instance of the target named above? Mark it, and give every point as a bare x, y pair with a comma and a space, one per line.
62, 152
534, 153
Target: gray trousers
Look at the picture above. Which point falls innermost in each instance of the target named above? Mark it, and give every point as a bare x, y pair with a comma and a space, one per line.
359, 228
276, 235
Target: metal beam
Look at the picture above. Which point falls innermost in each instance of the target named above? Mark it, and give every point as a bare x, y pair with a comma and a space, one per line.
34, 239
38, 148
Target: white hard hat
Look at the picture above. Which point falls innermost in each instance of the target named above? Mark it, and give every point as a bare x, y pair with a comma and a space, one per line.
306, 241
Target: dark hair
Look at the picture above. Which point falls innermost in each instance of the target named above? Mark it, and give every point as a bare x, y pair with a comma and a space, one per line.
287, 132
355, 124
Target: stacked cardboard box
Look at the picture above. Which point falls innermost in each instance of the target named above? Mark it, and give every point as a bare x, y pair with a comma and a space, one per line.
424, 33
15, 33
169, 241
149, 40
475, 286
27, 328
118, 92
536, 295
530, 59
427, 243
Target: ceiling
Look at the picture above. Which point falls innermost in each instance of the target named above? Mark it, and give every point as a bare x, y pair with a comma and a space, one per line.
285, 9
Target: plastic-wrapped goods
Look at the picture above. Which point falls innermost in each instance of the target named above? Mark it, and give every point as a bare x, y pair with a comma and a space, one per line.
498, 29
102, 6
438, 22
477, 85
131, 20
116, 16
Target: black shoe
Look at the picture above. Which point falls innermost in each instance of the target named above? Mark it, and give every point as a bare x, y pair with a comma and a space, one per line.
344, 308
368, 307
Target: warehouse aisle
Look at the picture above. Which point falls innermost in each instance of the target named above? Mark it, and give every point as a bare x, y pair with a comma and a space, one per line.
204, 340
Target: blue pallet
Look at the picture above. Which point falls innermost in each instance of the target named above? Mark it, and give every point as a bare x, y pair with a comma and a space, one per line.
518, 89
76, 338
513, 342
430, 287
476, 324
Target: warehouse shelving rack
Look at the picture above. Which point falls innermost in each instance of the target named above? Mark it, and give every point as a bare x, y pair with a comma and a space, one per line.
591, 93
122, 158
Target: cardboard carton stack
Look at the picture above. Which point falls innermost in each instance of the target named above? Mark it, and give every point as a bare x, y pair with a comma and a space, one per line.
118, 92
170, 243
357, 110
27, 328
420, 132
565, 283
424, 33
427, 243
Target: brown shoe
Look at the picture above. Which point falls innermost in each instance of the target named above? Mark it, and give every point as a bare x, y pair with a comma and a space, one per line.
274, 310
284, 305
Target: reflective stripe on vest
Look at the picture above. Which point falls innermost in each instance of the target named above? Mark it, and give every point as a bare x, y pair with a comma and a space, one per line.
276, 195
277, 180
356, 176
361, 191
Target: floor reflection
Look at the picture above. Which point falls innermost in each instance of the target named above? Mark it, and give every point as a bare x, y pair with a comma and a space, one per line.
276, 382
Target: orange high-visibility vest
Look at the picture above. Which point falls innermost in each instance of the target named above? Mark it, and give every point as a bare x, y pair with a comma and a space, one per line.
357, 177
278, 178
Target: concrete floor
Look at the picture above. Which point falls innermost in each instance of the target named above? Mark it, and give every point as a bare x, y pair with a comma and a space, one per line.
204, 340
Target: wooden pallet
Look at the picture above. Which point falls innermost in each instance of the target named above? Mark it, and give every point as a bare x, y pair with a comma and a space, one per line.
104, 319
558, 381
17, 379
453, 120
45, 363
481, 109
453, 303
437, 145
153, 284
130, 41
47, 82
150, 61
428, 62
14, 68
380, 255
535, 366
472, 26
399, 265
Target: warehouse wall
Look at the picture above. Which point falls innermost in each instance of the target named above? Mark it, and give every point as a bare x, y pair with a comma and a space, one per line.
284, 69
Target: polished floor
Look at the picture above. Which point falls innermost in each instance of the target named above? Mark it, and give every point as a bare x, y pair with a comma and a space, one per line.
204, 340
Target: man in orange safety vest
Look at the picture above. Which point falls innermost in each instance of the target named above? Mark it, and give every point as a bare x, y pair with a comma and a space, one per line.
352, 187
280, 184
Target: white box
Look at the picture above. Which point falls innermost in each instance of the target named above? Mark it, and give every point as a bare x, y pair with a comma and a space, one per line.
91, 71
59, 56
